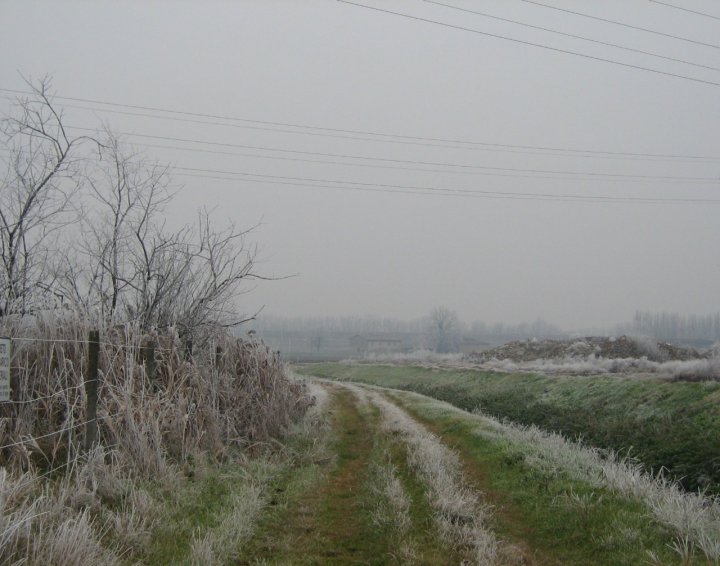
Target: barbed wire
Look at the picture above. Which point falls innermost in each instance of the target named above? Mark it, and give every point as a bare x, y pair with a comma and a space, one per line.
45, 397
62, 430
109, 345
56, 469
85, 342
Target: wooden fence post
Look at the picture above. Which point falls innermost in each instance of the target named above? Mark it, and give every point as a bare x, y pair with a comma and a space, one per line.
149, 360
91, 390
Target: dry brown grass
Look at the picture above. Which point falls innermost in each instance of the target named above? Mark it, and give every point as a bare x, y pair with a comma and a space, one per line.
232, 393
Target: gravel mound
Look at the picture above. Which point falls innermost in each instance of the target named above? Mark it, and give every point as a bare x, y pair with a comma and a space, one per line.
623, 347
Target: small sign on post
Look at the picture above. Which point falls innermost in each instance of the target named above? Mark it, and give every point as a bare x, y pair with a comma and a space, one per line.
5, 345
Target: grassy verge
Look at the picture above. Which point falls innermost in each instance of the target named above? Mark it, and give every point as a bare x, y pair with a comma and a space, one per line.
211, 516
670, 425
330, 519
366, 504
561, 519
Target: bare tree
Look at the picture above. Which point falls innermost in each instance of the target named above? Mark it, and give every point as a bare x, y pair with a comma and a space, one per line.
123, 265
128, 267
444, 327
41, 177
126, 195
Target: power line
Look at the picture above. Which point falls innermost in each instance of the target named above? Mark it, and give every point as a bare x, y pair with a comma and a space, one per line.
437, 191
532, 44
611, 175
371, 133
596, 41
594, 174
570, 175
233, 153
680, 38
377, 166
686, 9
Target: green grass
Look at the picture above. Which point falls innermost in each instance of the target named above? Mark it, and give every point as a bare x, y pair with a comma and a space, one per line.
671, 425
197, 505
550, 517
329, 520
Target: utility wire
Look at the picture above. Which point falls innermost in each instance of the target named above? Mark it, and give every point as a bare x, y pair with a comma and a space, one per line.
368, 132
558, 172
532, 44
211, 151
477, 170
436, 191
596, 41
685, 9
714, 46
430, 163
570, 175
390, 167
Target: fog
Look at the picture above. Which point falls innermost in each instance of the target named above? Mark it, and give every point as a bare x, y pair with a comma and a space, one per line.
507, 181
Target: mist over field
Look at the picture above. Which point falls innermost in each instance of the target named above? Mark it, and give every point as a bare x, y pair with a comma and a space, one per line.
360, 281
397, 164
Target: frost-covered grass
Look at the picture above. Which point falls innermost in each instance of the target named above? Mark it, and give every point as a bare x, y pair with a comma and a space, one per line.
692, 516
415, 357
693, 519
64, 521
153, 430
460, 516
672, 425
695, 370
211, 519
392, 511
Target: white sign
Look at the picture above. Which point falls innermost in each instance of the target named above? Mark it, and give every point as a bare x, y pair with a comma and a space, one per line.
5, 369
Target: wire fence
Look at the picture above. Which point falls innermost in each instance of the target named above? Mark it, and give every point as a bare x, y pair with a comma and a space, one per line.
146, 400
85, 392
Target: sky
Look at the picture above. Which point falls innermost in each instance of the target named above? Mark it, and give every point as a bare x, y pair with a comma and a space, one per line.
394, 162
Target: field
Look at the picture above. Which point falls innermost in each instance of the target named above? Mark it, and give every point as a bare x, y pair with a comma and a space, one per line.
367, 475
668, 425
378, 476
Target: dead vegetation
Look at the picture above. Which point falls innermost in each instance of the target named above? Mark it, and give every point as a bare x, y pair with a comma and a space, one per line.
229, 394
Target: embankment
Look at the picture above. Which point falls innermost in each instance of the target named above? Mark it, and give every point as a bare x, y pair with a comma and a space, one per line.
664, 424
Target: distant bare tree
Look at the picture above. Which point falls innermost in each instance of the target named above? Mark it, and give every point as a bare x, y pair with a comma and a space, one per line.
444, 328
41, 177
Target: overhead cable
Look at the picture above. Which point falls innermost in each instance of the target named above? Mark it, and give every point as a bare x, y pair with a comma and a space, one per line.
685, 9
435, 163
368, 132
573, 36
437, 191
622, 24
533, 44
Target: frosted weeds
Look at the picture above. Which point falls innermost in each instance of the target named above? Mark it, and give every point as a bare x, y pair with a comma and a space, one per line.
459, 514
38, 527
418, 356
393, 511
222, 543
692, 516
589, 365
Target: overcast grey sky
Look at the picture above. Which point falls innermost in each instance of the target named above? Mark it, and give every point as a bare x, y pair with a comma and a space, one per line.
479, 245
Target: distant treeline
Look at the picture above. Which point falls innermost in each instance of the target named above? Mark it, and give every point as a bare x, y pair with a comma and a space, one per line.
675, 327
371, 325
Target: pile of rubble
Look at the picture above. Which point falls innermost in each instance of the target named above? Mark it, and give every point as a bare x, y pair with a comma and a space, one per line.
623, 347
